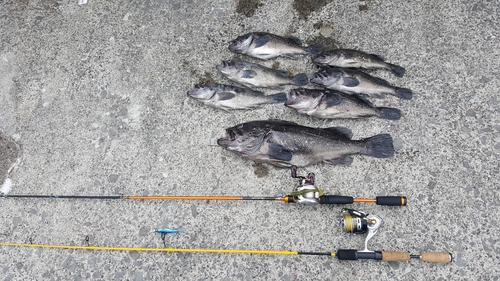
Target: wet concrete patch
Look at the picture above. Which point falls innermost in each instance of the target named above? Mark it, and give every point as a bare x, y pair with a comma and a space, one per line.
306, 7
260, 170
328, 43
325, 37
247, 7
9, 153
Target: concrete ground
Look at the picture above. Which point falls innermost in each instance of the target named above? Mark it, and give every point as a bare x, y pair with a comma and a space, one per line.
93, 102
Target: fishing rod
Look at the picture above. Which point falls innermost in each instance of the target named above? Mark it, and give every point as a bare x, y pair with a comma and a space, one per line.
439, 257
353, 222
306, 193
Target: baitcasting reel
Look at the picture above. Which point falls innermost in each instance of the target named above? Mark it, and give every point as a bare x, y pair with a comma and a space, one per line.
306, 193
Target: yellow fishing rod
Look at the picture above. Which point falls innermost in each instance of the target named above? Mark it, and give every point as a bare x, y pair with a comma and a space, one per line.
306, 193
440, 257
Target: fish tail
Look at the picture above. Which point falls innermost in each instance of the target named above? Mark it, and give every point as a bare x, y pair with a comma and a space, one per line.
403, 93
396, 70
389, 113
315, 49
301, 79
277, 98
379, 146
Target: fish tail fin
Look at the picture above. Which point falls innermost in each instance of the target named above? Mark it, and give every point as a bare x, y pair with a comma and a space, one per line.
277, 98
389, 113
403, 93
315, 49
301, 79
396, 70
379, 146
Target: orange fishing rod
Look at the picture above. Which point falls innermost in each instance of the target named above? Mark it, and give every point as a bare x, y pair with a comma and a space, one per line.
306, 193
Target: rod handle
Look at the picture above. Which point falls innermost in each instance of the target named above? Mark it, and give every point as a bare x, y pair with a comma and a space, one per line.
442, 257
335, 199
391, 200
395, 256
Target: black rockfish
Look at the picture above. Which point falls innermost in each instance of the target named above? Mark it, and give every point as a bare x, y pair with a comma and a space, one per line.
356, 59
335, 104
228, 97
264, 45
354, 81
283, 144
252, 74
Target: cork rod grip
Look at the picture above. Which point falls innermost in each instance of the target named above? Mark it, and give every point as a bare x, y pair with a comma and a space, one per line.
395, 256
443, 257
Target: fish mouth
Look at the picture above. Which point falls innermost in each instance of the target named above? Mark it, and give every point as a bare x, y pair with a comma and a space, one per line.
319, 59
223, 142
224, 65
292, 98
234, 46
226, 141
200, 91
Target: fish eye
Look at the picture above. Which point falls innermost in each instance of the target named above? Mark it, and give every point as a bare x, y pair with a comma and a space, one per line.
240, 126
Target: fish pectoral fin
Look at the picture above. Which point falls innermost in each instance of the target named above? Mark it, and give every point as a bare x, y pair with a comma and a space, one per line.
249, 74
340, 131
332, 100
350, 81
339, 161
226, 96
279, 152
259, 42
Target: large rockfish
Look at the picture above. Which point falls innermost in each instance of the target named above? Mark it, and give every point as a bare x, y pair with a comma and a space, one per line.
283, 144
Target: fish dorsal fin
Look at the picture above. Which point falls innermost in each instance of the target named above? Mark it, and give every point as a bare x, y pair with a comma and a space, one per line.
294, 40
340, 131
362, 99
281, 121
381, 81
254, 93
261, 41
379, 57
